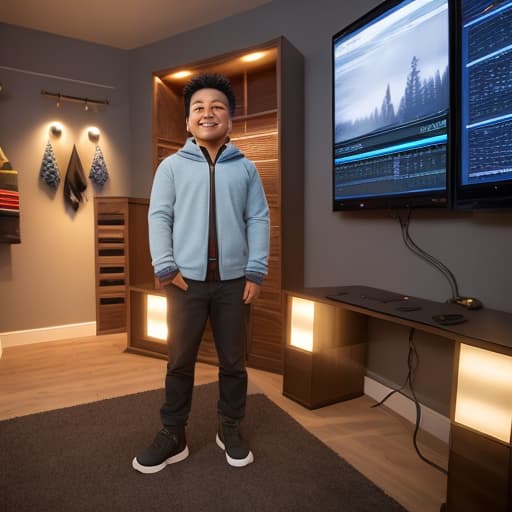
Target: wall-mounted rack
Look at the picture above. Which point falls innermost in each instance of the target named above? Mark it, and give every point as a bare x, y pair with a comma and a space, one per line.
76, 99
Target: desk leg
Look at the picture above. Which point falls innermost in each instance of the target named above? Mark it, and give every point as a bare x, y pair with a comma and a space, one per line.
325, 353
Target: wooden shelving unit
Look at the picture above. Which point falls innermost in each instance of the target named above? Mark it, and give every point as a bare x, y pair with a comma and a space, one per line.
111, 257
268, 128
121, 255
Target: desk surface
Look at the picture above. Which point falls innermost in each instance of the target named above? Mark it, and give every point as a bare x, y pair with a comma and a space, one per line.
485, 328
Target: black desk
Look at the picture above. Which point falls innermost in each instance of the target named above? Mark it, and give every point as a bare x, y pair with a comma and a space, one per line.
332, 369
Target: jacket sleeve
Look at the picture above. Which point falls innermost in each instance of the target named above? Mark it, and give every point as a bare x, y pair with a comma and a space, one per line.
161, 220
257, 222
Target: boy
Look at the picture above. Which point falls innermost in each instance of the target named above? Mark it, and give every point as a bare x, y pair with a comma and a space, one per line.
209, 241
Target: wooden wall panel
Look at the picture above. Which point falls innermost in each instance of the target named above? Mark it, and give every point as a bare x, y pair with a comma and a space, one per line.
261, 91
259, 147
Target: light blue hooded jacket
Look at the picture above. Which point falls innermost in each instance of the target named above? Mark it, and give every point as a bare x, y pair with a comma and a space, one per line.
179, 215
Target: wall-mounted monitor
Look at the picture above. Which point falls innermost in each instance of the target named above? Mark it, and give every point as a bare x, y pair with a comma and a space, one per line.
484, 159
391, 105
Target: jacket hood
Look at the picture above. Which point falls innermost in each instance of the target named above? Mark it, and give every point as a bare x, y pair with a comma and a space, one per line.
192, 151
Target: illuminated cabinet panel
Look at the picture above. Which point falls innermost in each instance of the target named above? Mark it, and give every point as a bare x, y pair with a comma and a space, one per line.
480, 462
325, 352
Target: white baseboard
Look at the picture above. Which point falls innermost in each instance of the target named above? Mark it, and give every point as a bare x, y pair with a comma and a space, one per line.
54, 333
431, 421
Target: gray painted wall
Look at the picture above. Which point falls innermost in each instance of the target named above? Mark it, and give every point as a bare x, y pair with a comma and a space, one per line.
340, 249
48, 279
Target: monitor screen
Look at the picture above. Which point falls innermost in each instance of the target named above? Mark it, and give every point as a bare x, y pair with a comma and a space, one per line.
484, 170
391, 98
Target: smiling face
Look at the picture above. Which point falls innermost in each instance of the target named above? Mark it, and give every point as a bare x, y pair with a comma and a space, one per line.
209, 120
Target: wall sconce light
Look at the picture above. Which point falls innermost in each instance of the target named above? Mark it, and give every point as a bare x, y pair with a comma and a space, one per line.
484, 391
156, 317
56, 129
93, 133
302, 320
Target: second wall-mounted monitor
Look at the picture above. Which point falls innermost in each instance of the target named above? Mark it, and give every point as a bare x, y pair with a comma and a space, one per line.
391, 99
484, 159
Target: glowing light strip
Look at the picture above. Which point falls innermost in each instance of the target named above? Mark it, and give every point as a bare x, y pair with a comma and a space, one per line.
488, 15
490, 55
430, 141
490, 121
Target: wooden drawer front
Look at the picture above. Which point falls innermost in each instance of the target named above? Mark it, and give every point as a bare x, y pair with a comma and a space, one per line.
111, 290
112, 272
112, 261
112, 317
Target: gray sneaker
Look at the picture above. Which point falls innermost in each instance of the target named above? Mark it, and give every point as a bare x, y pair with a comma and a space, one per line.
228, 439
168, 447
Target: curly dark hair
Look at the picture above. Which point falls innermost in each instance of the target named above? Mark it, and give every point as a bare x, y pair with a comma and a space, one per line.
209, 81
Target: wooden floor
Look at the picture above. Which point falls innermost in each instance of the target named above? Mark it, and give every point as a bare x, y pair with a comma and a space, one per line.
377, 442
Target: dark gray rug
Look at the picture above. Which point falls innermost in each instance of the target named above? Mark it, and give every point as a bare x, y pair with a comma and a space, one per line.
79, 459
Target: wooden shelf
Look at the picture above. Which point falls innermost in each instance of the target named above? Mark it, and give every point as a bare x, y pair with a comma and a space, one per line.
121, 254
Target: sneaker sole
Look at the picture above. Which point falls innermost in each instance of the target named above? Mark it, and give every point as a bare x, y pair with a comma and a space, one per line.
237, 463
147, 470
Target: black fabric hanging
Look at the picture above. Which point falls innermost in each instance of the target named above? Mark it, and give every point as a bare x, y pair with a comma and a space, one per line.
75, 182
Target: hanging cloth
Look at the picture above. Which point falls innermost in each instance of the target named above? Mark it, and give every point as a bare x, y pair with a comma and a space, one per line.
98, 173
75, 182
49, 171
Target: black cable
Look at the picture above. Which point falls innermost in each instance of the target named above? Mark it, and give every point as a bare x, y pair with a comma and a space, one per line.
413, 247
412, 364
437, 263
426, 256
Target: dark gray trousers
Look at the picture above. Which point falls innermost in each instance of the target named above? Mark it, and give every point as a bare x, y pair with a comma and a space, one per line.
187, 313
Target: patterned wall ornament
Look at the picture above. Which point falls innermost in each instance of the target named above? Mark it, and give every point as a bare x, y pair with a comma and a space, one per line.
98, 173
49, 171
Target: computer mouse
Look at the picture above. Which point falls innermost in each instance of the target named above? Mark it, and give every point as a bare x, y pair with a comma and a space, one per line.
449, 319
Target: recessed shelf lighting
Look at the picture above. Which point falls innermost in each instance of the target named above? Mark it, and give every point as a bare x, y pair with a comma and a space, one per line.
251, 57
181, 74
